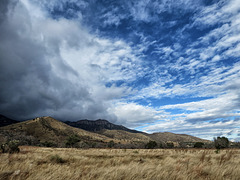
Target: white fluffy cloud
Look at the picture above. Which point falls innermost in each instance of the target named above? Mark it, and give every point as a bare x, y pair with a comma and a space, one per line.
133, 115
56, 67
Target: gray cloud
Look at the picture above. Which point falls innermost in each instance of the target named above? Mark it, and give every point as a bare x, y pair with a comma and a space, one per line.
37, 79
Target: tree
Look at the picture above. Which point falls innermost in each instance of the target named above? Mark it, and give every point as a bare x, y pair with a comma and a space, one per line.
110, 144
198, 145
151, 145
72, 140
10, 147
221, 142
170, 145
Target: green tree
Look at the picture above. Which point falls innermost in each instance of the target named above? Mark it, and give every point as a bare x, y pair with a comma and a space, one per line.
10, 147
72, 140
170, 145
221, 142
110, 144
198, 145
151, 145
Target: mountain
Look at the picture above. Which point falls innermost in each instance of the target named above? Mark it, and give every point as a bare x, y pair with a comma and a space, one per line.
47, 129
136, 138
98, 125
4, 121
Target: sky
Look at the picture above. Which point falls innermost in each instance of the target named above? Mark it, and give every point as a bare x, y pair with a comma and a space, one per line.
150, 65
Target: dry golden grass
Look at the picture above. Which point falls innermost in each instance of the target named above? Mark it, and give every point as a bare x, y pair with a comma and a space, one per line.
70, 164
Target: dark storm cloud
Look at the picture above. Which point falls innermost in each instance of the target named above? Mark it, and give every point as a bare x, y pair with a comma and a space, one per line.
3, 9
35, 81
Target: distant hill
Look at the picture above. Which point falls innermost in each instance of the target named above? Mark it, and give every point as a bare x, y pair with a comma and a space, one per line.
98, 125
167, 136
119, 132
46, 131
125, 135
4, 121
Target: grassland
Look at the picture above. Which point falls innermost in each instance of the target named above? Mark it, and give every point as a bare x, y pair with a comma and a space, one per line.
70, 164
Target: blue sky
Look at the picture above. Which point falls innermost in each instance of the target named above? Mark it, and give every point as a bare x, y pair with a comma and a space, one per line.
154, 66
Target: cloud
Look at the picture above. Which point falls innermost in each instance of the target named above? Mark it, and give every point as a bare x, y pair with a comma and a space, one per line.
219, 12
56, 67
205, 130
133, 114
149, 11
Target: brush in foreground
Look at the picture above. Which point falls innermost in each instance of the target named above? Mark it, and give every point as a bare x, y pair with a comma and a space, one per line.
55, 163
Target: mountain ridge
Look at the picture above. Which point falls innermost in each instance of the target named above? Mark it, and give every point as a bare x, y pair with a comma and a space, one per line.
98, 125
47, 129
5, 121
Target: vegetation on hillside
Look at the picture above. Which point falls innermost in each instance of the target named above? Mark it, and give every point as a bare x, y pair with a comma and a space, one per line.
49, 132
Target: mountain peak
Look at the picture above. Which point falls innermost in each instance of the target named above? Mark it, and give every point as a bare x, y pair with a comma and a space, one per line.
98, 125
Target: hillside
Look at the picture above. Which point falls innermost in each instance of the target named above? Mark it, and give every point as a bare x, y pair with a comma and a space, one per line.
167, 136
98, 125
5, 121
47, 129
132, 136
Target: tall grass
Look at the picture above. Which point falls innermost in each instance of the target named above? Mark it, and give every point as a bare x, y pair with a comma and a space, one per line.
55, 163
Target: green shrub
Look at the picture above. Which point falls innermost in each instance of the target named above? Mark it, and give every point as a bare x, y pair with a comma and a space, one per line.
57, 159
198, 145
151, 145
72, 140
10, 147
110, 144
136, 152
170, 145
49, 144
221, 142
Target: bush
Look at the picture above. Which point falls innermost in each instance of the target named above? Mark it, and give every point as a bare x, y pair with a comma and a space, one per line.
57, 159
110, 144
49, 144
151, 145
198, 145
221, 142
72, 140
10, 147
170, 145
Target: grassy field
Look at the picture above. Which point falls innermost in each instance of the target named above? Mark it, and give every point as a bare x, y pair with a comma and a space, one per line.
70, 164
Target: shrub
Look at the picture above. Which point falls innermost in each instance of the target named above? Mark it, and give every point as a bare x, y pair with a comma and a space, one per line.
221, 142
198, 145
110, 144
10, 147
57, 159
49, 144
151, 145
170, 145
72, 140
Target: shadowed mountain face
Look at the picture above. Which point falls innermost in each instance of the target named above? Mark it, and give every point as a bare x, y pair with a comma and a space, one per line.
4, 121
98, 125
